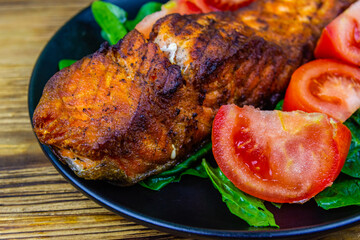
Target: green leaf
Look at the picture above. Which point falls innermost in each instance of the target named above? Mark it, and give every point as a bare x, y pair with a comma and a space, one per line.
353, 123
105, 36
120, 13
188, 162
279, 105
145, 10
198, 171
352, 164
159, 181
247, 207
344, 192
277, 205
110, 18
65, 63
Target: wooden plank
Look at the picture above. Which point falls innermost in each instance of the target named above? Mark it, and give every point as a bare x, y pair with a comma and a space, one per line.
38, 202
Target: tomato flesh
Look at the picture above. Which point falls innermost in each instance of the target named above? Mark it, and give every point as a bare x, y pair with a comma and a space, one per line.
254, 157
326, 86
283, 157
226, 5
189, 7
341, 38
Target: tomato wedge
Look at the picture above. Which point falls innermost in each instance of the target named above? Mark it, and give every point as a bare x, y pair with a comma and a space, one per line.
191, 7
284, 157
225, 5
341, 38
206, 6
325, 86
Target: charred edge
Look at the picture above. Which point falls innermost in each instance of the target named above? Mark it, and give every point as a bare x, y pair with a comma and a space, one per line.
173, 82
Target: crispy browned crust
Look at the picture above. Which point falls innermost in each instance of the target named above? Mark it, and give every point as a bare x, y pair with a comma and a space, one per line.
134, 109
246, 57
120, 112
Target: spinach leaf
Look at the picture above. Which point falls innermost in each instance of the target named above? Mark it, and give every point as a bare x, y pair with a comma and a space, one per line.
247, 207
110, 18
145, 10
105, 36
344, 192
277, 205
279, 105
159, 181
65, 63
352, 164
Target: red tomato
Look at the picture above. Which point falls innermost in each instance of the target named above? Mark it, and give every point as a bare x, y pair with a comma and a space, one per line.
189, 7
284, 157
225, 5
206, 6
341, 38
325, 86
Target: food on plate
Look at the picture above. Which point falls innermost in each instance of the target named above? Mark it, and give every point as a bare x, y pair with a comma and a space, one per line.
224, 5
341, 38
249, 208
100, 107
112, 25
283, 157
189, 7
145, 10
206, 6
136, 108
326, 86
172, 6
145, 26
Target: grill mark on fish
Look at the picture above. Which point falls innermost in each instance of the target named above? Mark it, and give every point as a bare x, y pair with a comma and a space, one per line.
156, 107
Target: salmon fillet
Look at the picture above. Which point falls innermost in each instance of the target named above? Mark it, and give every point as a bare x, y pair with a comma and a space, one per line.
139, 107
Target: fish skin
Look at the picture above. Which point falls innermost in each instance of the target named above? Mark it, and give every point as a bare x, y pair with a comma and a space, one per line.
139, 107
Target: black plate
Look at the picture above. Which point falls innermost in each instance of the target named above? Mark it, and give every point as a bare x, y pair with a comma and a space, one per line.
190, 208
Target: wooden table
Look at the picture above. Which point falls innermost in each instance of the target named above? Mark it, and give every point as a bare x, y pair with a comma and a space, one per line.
35, 200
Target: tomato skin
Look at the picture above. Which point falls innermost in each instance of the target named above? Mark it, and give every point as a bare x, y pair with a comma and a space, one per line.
275, 155
226, 5
206, 6
341, 38
188, 7
336, 94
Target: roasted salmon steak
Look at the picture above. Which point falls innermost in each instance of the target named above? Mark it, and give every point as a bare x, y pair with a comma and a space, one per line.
139, 107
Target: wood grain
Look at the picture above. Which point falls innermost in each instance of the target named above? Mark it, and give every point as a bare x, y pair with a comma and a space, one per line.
38, 202
35, 200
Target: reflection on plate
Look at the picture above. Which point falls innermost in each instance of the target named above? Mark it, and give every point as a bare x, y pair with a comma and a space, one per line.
191, 207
